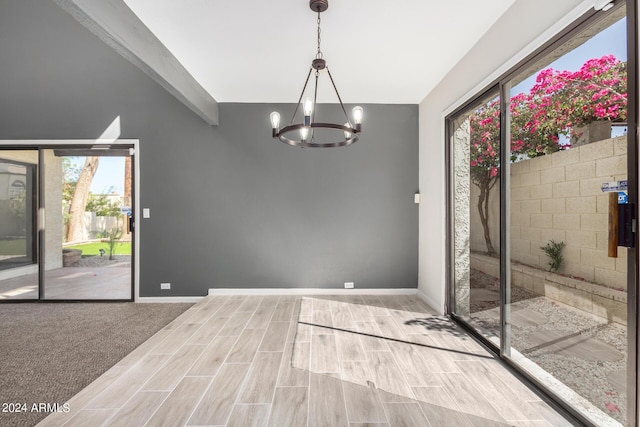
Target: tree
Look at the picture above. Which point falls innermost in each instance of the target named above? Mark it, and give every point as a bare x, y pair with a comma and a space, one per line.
127, 181
597, 91
70, 172
484, 126
102, 206
556, 105
80, 199
114, 238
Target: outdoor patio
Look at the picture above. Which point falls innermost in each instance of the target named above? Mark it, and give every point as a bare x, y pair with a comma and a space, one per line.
102, 281
586, 353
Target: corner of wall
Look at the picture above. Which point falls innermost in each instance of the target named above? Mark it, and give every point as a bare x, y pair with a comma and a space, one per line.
432, 211
478, 68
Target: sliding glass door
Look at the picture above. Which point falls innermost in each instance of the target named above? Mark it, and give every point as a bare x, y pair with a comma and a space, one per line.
568, 288
542, 225
88, 233
66, 223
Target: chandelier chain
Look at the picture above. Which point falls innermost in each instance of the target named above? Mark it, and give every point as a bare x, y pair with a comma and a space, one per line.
319, 54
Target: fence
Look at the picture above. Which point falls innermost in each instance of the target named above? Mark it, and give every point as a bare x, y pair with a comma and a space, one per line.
558, 197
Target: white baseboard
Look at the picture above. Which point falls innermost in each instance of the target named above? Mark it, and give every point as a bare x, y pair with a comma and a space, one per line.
430, 302
311, 291
169, 299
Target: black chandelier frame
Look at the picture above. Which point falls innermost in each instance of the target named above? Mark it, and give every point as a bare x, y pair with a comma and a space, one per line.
305, 130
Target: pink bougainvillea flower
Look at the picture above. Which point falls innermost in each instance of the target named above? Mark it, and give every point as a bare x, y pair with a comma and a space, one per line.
612, 407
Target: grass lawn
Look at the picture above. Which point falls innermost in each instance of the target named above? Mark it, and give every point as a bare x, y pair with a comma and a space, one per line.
123, 248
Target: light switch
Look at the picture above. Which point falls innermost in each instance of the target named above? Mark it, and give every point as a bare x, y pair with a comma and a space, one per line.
416, 198
146, 213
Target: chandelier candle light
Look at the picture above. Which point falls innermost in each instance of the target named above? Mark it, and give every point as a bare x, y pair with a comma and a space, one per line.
304, 134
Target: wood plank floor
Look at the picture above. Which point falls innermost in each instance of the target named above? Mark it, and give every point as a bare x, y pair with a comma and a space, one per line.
308, 361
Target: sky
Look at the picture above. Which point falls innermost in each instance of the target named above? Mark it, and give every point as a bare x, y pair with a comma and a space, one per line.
109, 177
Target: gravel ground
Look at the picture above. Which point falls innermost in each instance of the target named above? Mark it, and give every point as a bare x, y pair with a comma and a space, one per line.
104, 261
599, 381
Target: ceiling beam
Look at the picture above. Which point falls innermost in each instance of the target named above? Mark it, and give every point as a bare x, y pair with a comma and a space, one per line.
116, 25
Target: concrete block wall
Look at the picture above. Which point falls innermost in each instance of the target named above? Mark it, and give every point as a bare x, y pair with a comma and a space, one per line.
558, 197
599, 301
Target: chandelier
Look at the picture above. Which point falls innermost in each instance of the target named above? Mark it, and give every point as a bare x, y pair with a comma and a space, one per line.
308, 132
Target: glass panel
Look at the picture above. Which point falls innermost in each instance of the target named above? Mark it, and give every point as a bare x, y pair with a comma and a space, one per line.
567, 325
475, 137
88, 240
18, 230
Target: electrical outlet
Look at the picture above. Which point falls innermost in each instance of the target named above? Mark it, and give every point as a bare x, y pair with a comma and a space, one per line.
165, 285
348, 285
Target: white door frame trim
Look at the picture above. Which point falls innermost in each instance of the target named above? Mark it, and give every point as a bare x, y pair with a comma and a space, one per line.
136, 173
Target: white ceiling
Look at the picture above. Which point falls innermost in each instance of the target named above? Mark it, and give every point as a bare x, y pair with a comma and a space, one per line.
378, 51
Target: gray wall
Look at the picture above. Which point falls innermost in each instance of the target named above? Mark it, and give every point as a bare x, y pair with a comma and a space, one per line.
230, 207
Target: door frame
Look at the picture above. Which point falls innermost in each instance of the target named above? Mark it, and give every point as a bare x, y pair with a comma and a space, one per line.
52, 143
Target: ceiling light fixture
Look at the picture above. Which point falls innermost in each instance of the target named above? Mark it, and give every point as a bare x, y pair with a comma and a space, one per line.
308, 132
